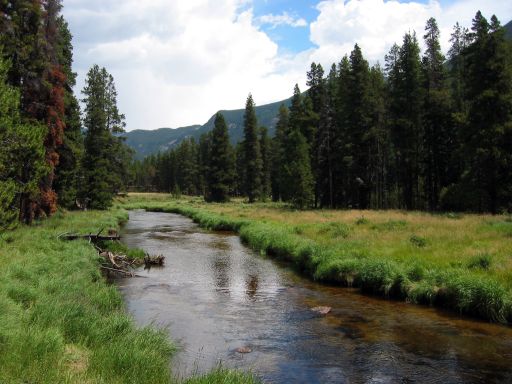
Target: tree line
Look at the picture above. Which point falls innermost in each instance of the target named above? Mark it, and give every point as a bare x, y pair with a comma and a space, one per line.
423, 133
52, 154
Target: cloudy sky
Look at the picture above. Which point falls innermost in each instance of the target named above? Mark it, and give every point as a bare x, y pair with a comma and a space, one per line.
176, 62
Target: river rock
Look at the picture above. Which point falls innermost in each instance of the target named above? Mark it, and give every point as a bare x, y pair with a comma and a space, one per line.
322, 310
244, 350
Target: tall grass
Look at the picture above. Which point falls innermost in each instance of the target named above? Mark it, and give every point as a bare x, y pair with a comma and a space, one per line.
59, 320
421, 258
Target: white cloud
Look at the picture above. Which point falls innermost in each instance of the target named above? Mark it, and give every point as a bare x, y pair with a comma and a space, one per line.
283, 19
177, 62
174, 62
376, 24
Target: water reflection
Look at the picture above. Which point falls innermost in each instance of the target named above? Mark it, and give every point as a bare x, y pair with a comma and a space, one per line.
215, 296
251, 286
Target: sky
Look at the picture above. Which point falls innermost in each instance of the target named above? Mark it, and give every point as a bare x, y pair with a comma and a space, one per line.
177, 62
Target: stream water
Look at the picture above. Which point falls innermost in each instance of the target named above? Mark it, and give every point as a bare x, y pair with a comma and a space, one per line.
215, 295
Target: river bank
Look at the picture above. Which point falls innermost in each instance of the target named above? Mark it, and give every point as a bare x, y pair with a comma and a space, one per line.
460, 262
218, 297
60, 322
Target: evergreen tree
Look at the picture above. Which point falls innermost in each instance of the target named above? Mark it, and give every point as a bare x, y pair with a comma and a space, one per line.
325, 142
71, 151
22, 161
439, 140
188, 177
205, 142
278, 153
101, 166
316, 94
405, 109
266, 166
297, 178
359, 124
251, 153
342, 146
220, 164
379, 151
487, 140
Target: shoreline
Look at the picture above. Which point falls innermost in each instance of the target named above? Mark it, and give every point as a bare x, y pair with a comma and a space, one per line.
470, 294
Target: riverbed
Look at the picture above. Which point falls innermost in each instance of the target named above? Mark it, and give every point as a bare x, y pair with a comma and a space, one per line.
215, 295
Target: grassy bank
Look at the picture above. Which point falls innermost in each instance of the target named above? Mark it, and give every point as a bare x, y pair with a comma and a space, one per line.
60, 322
462, 262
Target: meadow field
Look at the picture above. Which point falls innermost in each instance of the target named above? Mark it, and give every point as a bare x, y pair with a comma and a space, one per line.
458, 261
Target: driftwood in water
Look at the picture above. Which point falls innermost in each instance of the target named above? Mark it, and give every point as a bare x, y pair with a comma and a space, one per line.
90, 237
154, 260
113, 262
112, 235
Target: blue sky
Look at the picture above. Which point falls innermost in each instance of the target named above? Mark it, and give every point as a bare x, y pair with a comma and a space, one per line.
290, 39
177, 62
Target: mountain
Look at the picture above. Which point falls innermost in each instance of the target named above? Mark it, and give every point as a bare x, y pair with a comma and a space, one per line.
146, 142
508, 30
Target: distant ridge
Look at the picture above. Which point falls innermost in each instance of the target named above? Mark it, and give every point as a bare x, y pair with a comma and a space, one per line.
148, 142
508, 30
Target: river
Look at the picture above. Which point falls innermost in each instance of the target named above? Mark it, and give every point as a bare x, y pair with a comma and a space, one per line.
215, 295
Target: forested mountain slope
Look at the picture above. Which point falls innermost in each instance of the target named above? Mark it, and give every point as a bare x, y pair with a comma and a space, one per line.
146, 142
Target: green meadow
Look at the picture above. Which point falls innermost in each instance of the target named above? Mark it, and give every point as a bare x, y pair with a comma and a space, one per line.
458, 261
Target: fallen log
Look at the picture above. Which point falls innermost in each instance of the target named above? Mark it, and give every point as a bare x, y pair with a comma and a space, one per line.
120, 271
90, 237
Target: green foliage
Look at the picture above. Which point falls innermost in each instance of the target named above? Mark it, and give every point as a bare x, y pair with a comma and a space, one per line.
418, 241
481, 261
61, 322
106, 156
251, 153
224, 376
391, 225
297, 177
220, 163
22, 161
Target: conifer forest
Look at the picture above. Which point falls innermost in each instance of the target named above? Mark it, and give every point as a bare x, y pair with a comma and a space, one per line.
422, 132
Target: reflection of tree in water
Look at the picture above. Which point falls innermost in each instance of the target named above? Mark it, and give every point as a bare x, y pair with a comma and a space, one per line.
251, 286
221, 244
221, 267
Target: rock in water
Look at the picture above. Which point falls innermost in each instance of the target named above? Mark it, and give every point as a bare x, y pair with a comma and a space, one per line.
322, 310
244, 350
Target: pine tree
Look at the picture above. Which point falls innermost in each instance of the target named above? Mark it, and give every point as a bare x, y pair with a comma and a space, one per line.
297, 178
405, 108
379, 151
205, 142
251, 153
266, 166
278, 153
188, 177
359, 124
316, 94
439, 138
325, 142
489, 90
71, 151
341, 144
101, 166
220, 164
